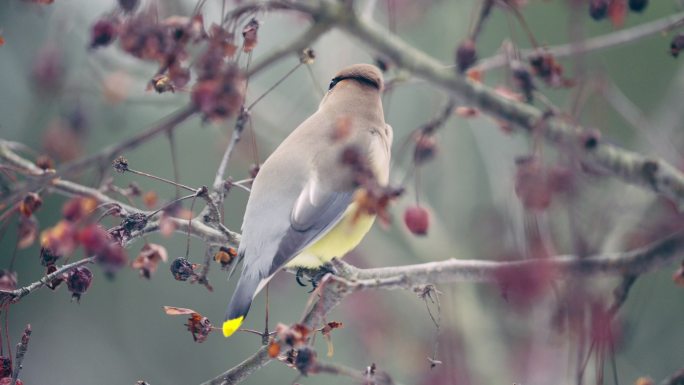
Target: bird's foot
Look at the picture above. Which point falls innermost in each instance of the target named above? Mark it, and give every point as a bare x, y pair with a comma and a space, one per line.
315, 275
320, 273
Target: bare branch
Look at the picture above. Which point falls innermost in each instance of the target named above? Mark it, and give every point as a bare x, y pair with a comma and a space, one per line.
197, 228
15, 295
614, 39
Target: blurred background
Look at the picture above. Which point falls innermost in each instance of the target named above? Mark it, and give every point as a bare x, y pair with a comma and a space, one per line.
60, 98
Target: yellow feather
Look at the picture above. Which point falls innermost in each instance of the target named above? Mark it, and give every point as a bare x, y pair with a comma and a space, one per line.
345, 236
230, 326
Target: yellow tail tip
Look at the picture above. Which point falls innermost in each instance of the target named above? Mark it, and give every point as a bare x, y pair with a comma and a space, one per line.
230, 326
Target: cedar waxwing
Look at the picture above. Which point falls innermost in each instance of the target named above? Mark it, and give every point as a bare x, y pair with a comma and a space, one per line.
301, 210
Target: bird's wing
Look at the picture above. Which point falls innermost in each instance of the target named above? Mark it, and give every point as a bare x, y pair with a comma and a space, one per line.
316, 211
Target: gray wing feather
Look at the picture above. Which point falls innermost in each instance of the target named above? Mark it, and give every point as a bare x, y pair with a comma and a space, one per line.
313, 216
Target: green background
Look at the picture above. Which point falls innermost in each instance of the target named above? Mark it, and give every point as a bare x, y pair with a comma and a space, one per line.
119, 334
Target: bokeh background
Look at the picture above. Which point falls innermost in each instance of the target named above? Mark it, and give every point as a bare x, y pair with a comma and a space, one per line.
55, 94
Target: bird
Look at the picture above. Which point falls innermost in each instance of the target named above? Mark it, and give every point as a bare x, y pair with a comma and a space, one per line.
301, 212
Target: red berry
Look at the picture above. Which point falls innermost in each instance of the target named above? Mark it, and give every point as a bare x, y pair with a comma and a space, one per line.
677, 44
417, 219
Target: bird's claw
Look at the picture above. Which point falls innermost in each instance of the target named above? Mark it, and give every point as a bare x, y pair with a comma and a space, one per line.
314, 276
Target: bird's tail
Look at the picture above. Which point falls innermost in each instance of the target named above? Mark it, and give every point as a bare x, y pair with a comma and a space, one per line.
241, 301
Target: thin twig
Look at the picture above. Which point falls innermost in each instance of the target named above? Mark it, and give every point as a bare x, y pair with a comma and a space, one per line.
17, 294
22, 347
598, 43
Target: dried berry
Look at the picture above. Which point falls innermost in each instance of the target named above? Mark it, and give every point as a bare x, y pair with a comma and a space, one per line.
134, 222
5, 366
677, 44
78, 281
182, 269
45, 162
598, 9
225, 256
199, 326
103, 33
590, 139
523, 79
305, 359
129, 5
249, 33
545, 66
30, 204
48, 257
417, 220
162, 83
120, 164
638, 5
307, 56
54, 284
466, 55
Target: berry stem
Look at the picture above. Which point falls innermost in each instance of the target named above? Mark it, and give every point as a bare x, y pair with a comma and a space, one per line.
161, 179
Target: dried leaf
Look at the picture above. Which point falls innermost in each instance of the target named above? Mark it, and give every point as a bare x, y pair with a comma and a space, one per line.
172, 310
148, 259
249, 33
28, 231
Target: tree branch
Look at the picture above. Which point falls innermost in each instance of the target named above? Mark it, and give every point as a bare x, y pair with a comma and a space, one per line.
349, 279
598, 43
22, 348
198, 228
13, 296
649, 172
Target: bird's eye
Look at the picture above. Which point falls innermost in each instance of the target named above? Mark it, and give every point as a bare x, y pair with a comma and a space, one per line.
333, 83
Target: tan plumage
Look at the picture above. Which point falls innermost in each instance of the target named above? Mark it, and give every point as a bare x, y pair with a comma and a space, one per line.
298, 211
